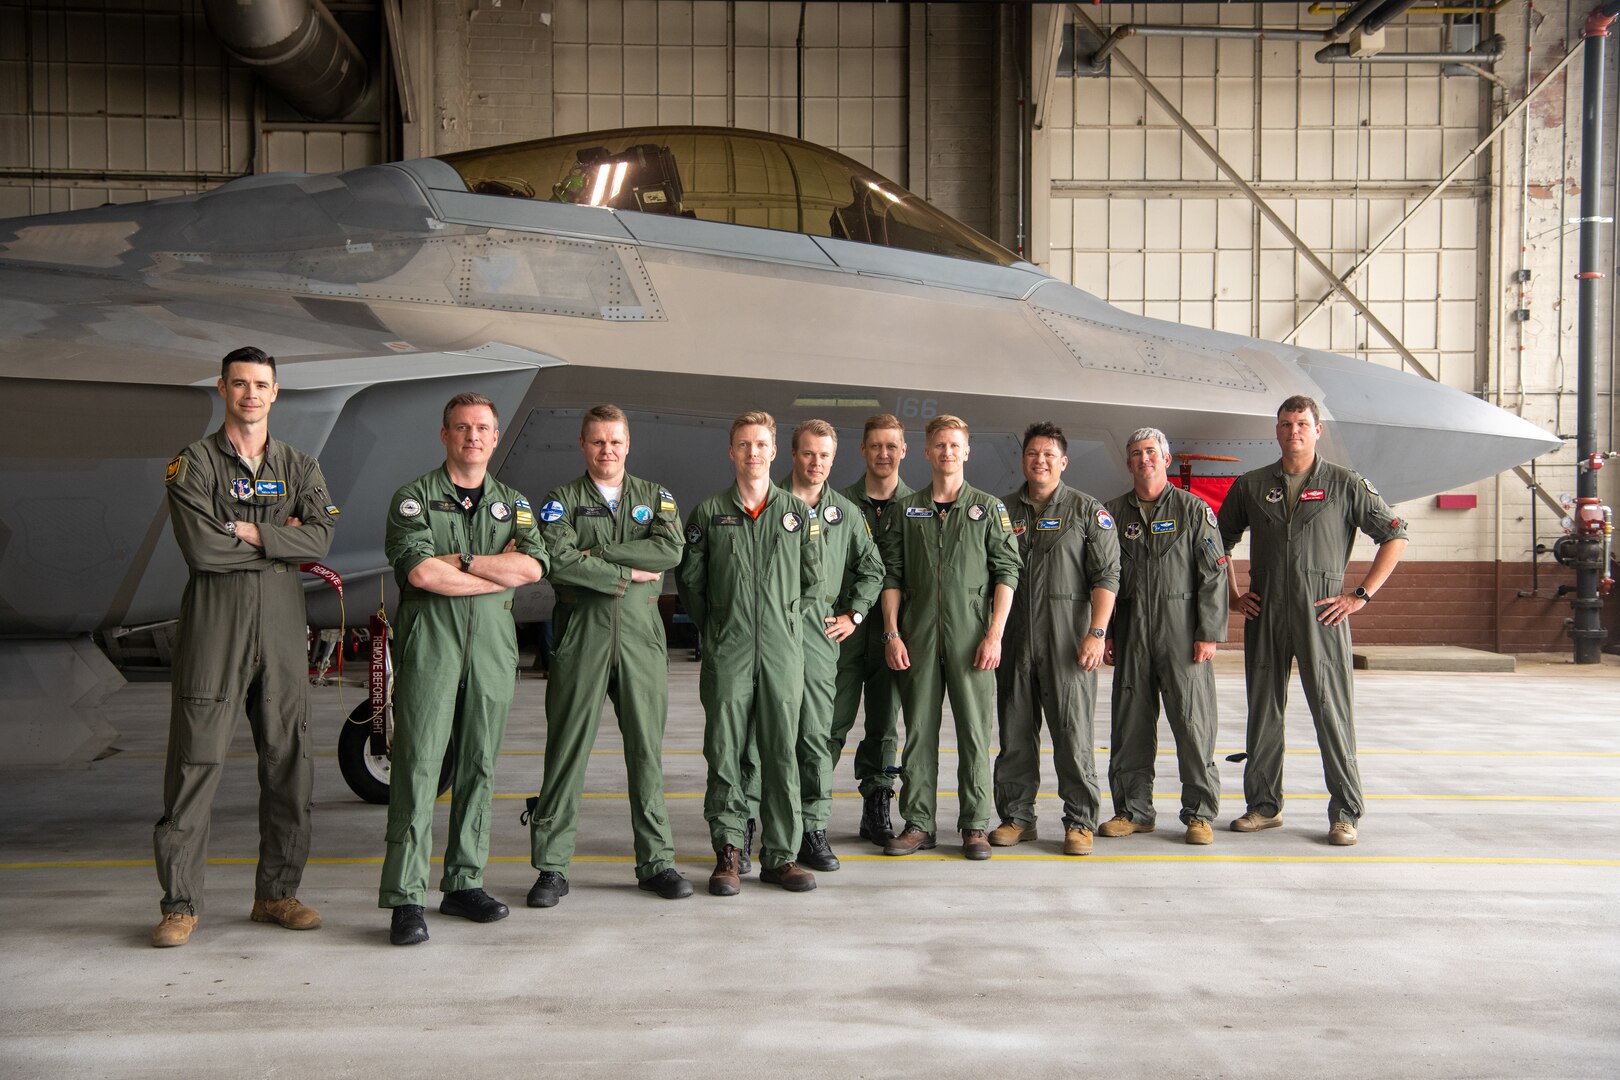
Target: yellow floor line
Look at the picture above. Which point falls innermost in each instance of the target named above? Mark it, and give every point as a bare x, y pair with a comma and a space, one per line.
935, 856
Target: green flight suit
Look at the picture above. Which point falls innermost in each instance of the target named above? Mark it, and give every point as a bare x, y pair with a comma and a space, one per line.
849, 560
946, 570
1069, 547
454, 673
1296, 559
609, 644
863, 668
241, 648
746, 583
1172, 592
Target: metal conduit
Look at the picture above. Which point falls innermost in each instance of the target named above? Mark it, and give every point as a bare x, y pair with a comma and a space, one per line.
1387, 14
1489, 52
298, 49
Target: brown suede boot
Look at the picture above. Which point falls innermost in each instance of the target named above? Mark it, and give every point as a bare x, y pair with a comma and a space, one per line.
175, 929
726, 880
791, 876
286, 912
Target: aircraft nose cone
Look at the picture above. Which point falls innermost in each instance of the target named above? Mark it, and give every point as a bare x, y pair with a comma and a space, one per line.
1412, 437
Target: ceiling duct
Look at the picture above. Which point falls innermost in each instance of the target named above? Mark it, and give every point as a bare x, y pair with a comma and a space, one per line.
298, 49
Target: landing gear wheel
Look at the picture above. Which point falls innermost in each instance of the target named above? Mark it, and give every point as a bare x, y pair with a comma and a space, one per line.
367, 773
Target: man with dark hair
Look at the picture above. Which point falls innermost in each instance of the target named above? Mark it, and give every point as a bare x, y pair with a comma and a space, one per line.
1304, 513
1054, 645
459, 541
610, 536
1170, 614
247, 510
752, 566
950, 567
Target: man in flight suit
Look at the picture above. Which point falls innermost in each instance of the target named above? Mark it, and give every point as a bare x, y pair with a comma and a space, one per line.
1304, 513
1170, 614
246, 511
751, 568
459, 541
950, 567
610, 536
1055, 642
862, 665
851, 573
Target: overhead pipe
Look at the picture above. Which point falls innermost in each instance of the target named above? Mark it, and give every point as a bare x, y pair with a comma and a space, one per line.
298, 49
1488, 52
1592, 520
1387, 14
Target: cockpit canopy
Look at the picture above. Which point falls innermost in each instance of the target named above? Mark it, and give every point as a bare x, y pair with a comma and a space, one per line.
726, 175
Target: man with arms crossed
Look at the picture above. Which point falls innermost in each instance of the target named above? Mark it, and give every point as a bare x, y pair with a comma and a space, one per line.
861, 661
246, 510
1170, 614
751, 568
610, 536
1304, 513
1054, 645
459, 541
950, 567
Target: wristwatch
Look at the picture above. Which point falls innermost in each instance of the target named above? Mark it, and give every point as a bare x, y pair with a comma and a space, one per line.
1097, 632
1363, 595
230, 528
856, 618
466, 562
888, 636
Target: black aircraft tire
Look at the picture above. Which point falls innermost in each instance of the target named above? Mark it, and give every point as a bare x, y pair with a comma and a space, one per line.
367, 773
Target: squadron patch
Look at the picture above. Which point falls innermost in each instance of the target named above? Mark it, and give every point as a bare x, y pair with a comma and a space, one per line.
1209, 516
1049, 525
499, 511
174, 469
976, 512
693, 533
919, 512
1104, 519
1163, 525
833, 515
410, 508
791, 521
641, 513
270, 489
1133, 531
1368, 484
1313, 495
242, 489
1275, 495
1018, 527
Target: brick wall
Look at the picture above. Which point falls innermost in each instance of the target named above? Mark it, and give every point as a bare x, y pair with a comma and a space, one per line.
1477, 605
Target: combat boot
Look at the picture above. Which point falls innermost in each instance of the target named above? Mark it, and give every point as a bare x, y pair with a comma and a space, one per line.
745, 864
175, 929
1122, 825
815, 852
911, 840
1199, 832
791, 876
974, 845
1254, 821
1009, 833
876, 824
286, 912
1076, 840
726, 880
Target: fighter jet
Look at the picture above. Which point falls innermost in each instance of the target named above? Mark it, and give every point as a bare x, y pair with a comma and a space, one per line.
686, 274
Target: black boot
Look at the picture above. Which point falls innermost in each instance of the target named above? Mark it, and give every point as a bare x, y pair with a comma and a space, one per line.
875, 823
745, 863
816, 853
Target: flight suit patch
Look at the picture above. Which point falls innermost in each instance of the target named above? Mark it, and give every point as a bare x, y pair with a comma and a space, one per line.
172, 471
331, 511
410, 508
242, 489
270, 489
1163, 525
1209, 516
666, 502
727, 519
552, 511
1275, 495
1105, 519
1049, 524
524, 518
641, 513
919, 512
815, 525
833, 515
1018, 527
1001, 512
592, 511
1313, 495
448, 506
521, 503
499, 511
791, 521
1133, 531
1368, 484
976, 512
693, 534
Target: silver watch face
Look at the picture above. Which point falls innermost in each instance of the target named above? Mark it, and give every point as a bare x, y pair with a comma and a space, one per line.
1094, 632
856, 617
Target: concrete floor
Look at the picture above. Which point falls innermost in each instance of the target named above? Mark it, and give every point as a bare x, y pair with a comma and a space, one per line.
1470, 934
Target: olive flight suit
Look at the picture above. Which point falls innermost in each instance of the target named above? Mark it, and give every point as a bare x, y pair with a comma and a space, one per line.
1297, 556
241, 648
609, 644
863, 667
1172, 592
1069, 547
946, 569
746, 582
455, 674
849, 565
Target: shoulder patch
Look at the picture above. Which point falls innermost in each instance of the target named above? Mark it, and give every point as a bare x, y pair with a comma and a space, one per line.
1209, 515
1368, 484
524, 517
552, 511
410, 508
1105, 520
331, 510
694, 533
521, 503
175, 469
